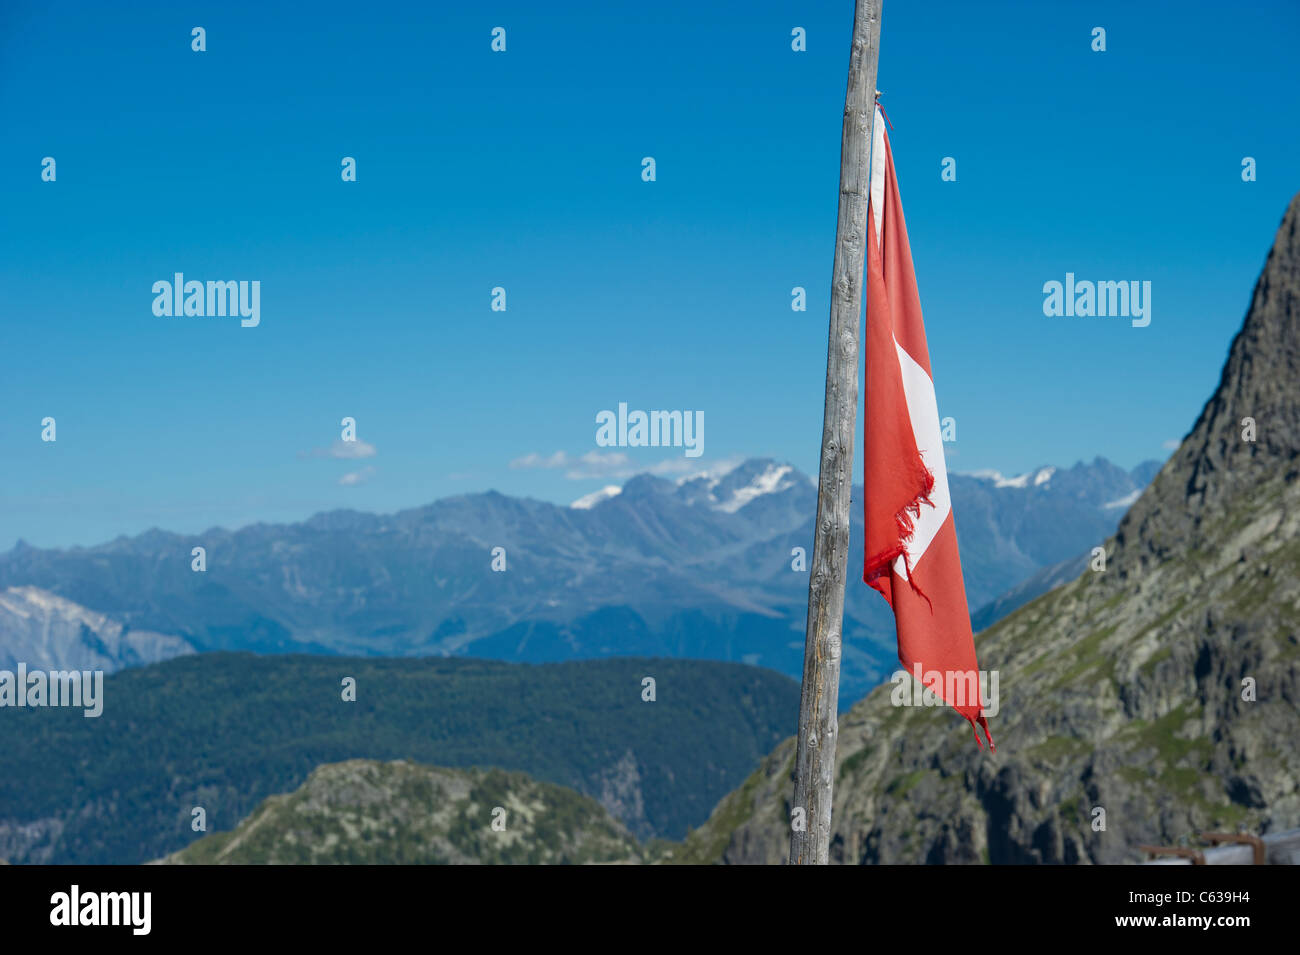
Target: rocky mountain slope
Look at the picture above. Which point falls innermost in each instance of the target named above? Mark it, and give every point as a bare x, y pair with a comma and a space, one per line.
47, 632
701, 568
1049, 578
363, 812
1163, 692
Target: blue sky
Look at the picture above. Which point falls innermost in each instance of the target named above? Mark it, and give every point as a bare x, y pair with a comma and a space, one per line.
522, 170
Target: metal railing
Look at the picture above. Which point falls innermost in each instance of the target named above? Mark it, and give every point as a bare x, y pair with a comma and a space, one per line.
1231, 848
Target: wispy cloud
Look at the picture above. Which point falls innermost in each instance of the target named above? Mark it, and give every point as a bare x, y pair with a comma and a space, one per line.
1170, 445
602, 465
532, 461
354, 478
343, 450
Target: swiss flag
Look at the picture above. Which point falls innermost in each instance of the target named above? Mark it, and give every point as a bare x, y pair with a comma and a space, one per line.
911, 544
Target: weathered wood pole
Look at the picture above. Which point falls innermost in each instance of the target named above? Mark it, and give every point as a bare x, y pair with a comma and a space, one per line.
818, 727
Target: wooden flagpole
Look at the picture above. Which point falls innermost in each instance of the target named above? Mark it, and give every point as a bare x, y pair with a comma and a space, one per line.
818, 726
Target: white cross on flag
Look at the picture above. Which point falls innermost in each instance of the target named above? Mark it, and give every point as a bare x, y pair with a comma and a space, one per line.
910, 541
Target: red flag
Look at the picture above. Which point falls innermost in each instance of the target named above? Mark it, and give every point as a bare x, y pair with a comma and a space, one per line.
911, 543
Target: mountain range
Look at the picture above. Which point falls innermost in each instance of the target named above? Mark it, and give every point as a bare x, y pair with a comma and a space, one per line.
701, 568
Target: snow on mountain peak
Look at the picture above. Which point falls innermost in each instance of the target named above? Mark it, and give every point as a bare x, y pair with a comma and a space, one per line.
773, 478
1036, 478
588, 501
1127, 501
727, 487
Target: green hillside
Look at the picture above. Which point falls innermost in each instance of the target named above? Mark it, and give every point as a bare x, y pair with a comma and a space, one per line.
363, 812
226, 731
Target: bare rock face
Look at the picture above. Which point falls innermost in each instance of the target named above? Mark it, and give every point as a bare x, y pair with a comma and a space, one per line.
621, 794
1259, 391
47, 632
1143, 704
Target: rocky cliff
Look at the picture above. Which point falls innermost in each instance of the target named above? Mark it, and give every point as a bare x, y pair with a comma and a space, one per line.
47, 632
